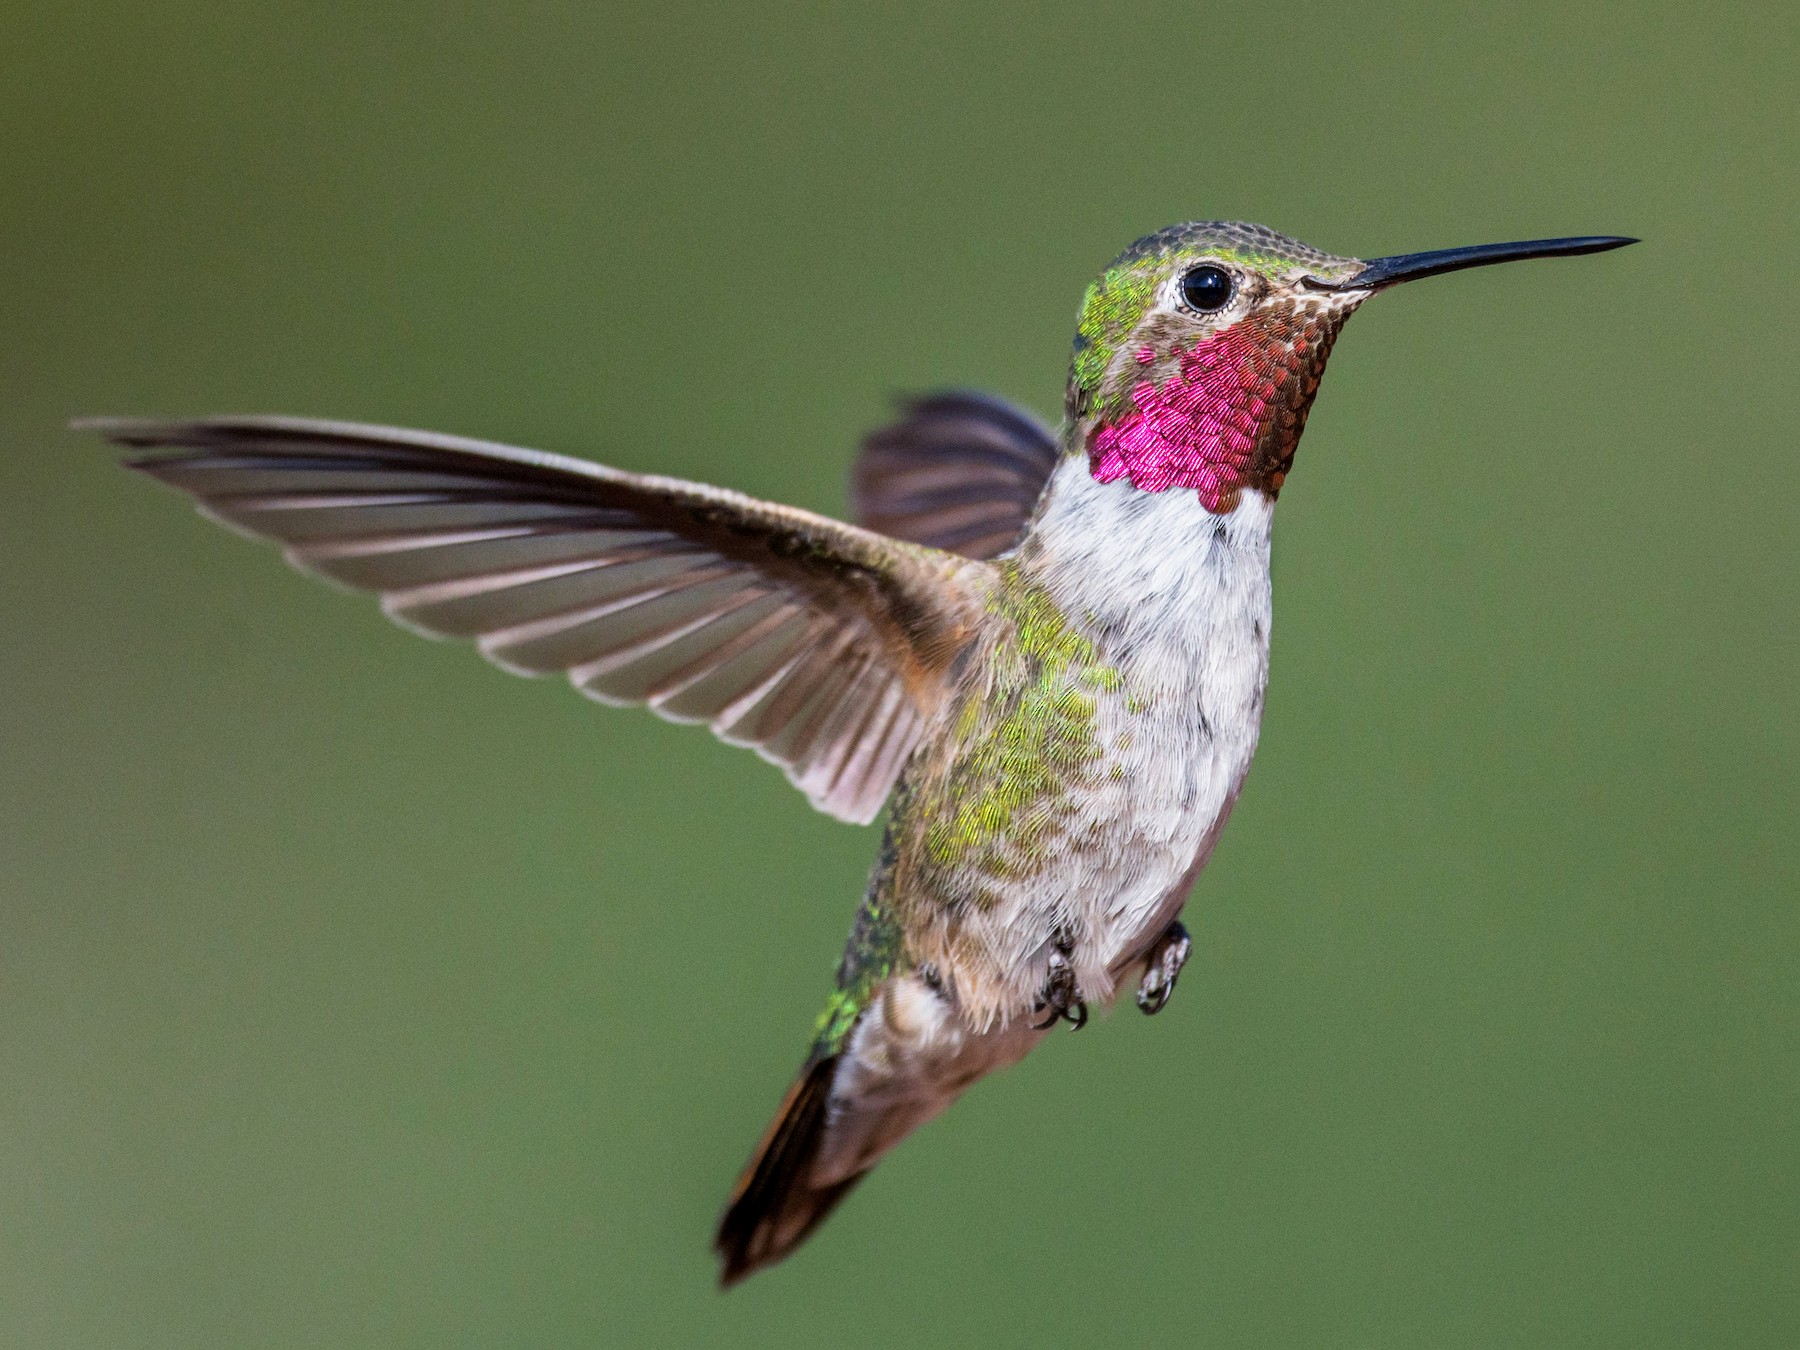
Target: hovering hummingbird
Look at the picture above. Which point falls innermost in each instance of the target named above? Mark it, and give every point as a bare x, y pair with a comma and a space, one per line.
1046, 652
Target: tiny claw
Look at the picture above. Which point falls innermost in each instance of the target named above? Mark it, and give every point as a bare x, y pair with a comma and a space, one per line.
1164, 964
1060, 995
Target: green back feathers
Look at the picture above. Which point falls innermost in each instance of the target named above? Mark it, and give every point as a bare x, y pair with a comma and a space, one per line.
1025, 740
870, 955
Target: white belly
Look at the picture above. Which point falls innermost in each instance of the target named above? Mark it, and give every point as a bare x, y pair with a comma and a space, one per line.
1178, 600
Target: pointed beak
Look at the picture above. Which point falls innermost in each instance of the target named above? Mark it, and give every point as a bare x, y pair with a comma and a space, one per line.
1381, 273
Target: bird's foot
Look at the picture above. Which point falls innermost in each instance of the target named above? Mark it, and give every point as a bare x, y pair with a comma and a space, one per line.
1164, 963
1059, 994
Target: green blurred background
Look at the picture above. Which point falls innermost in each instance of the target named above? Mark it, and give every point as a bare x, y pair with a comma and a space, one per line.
352, 993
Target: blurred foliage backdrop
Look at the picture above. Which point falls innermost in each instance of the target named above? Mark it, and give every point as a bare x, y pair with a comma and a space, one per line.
352, 993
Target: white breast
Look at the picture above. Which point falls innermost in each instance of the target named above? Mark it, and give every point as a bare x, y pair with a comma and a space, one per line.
1178, 600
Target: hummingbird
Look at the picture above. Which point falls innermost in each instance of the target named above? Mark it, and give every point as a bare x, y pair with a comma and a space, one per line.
1044, 652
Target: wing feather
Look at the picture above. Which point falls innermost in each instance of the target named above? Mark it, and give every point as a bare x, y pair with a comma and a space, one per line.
823, 646
958, 471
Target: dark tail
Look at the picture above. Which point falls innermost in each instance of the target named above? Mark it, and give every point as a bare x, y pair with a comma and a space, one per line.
775, 1205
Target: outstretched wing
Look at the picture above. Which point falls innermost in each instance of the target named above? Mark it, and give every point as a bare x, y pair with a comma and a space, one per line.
821, 645
958, 471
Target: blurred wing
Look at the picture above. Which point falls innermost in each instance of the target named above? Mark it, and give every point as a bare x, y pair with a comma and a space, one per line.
821, 645
958, 471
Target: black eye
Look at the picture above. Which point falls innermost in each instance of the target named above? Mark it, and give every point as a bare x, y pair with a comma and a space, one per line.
1206, 288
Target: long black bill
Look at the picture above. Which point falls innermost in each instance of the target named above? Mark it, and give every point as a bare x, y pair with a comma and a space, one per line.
1411, 266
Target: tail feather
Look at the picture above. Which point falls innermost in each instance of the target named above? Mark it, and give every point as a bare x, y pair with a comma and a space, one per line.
775, 1204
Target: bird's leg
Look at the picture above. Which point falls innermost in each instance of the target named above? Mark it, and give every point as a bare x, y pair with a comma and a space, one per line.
1059, 994
1163, 964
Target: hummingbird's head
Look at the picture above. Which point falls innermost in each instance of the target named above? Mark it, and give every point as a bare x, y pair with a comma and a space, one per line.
1199, 350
